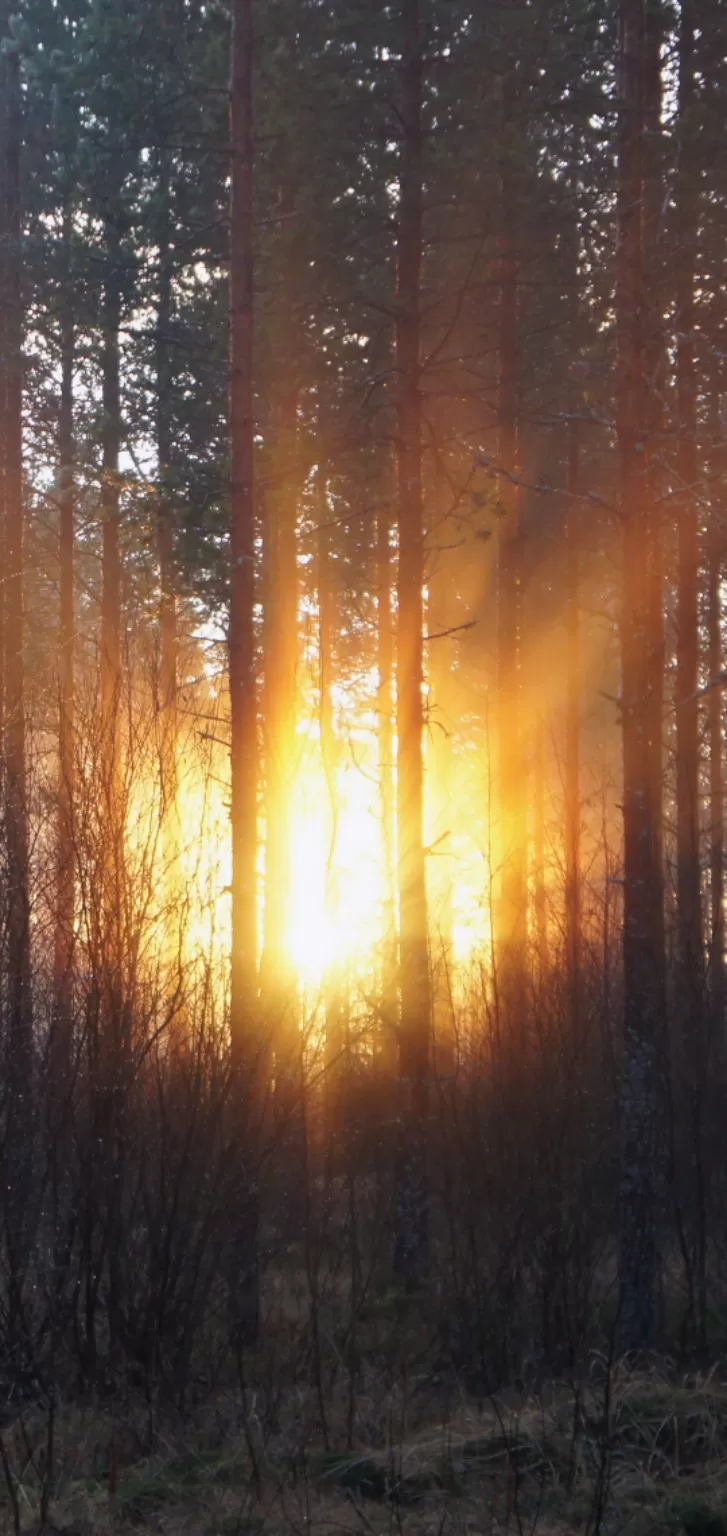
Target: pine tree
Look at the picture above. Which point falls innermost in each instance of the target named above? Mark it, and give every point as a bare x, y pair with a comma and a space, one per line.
19, 1064
643, 1002
411, 1250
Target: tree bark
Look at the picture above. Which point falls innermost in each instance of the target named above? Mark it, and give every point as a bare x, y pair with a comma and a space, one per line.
168, 680
19, 1018
512, 908
385, 707
243, 696
573, 728
643, 997
65, 887
655, 378
411, 1245
540, 900
440, 618
716, 780
713, 33
335, 1003
245, 1033
690, 955
110, 507
279, 732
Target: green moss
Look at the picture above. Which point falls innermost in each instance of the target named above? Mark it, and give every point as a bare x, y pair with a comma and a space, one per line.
359, 1475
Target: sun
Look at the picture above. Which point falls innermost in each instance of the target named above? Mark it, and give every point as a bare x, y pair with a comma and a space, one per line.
336, 866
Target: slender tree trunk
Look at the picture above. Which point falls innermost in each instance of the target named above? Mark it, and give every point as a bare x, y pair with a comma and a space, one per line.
574, 677
540, 901
411, 1247
691, 977
5, 297
112, 1051
689, 896
243, 696
110, 508
716, 782
246, 1036
385, 707
440, 618
281, 656
512, 915
336, 1032
65, 889
643, 997
573, 729
168, 682
713, 33
19, 1022
655, 376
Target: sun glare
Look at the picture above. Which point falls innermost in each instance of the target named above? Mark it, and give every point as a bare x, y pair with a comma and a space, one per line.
339, 904
336, 862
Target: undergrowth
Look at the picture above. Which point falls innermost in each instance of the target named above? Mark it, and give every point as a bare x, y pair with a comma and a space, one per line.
624, 1450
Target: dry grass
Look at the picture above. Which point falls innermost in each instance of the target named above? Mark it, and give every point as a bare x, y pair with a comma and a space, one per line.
646, 1456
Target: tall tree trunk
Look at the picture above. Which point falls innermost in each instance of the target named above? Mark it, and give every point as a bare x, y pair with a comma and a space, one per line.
110, 508
281, 655
440, 619
336, 1032
65, 889
716, 780
246, 1036
511, 911
713, 35
19, 1020
165, 551
5, 297
574, 674
113, 1047
689, 897
655, 377
411, 1246
540, 899
691, 977
243, 696
643, 996
385, 708
573, 727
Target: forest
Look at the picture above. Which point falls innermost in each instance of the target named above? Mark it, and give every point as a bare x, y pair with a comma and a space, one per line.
363, 654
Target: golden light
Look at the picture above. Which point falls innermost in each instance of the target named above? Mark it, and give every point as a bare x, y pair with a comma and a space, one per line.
339, 904
336, 859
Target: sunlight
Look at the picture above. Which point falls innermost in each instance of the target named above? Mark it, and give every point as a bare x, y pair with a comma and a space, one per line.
336, 866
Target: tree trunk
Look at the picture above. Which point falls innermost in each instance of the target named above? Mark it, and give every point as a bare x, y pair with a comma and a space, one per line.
4, 340
385, 707
19, 1019
643, 996
243, 697
573, 729
336, 1031
690, 953
110, 504
713, 33
411, 1246
440, 619
245, 1033
716, 781
511, 856
655, 378
65, 889
168, 682
279, 733
540, 900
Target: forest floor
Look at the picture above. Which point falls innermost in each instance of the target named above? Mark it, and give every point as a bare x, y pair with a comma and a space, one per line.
637, 1452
